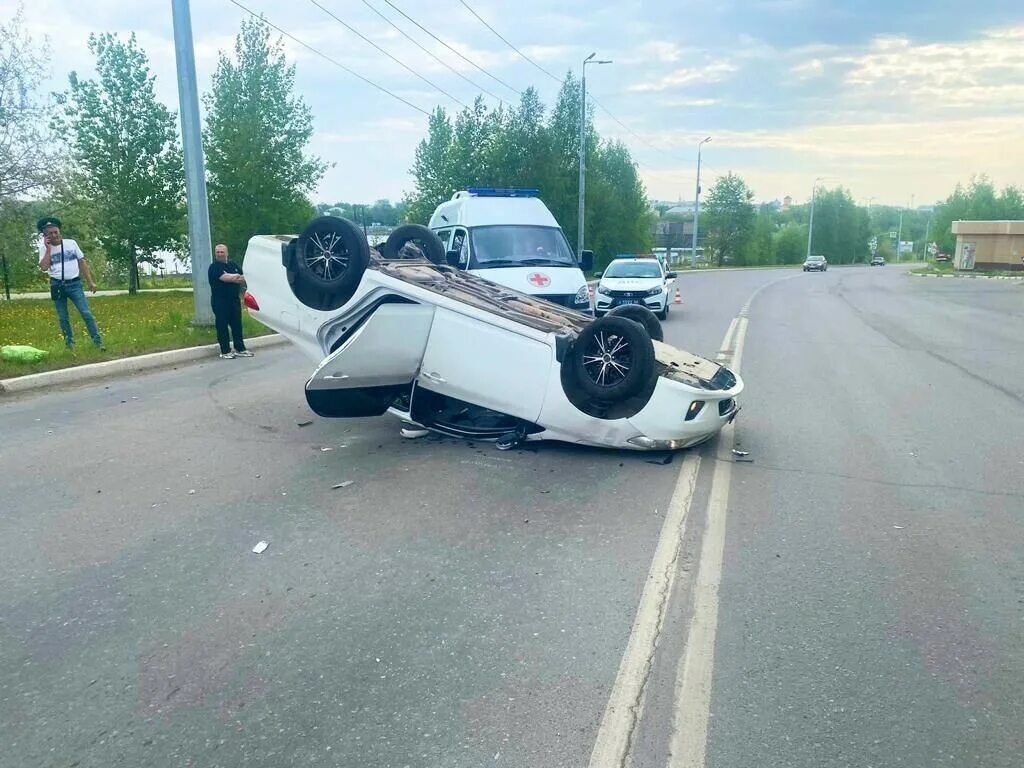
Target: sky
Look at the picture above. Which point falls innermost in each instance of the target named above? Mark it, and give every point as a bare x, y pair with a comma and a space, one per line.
896, 100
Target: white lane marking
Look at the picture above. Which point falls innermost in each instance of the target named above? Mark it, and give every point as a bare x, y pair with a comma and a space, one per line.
615, 734
723, 351
688, 746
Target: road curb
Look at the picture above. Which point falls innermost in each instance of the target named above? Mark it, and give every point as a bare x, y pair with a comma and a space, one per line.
125, 366
972, 277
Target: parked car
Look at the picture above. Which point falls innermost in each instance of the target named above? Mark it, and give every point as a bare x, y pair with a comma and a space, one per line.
510, 237
638, 281
447, 350
815, 264
877, 261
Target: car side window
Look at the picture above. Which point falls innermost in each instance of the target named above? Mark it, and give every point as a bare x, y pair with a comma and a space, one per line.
444, 235
460, 243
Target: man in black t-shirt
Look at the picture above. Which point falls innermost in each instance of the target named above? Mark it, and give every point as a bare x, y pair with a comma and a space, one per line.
225, 278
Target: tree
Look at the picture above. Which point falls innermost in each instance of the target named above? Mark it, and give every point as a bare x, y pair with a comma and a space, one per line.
728, 220
760, 248
841, 228
128, 165
789, 244
256, 136
979, 201
26, 156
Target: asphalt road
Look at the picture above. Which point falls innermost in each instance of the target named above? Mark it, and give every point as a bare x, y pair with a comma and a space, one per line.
457, 606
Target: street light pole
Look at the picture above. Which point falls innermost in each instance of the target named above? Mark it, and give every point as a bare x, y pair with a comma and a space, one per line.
195, 172
696, 208
810, 225
583, 150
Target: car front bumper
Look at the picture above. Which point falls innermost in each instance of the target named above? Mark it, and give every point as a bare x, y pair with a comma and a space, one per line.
604, 304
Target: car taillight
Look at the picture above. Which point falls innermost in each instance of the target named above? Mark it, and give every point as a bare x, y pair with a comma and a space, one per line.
250, 301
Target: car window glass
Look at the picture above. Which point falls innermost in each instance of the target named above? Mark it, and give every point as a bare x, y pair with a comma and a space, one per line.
528, 245
633, 269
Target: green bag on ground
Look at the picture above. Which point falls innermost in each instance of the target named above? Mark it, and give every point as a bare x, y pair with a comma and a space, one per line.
22, 353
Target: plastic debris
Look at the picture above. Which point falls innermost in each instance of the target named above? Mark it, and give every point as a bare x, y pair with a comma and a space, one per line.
898, 527
260, 548
325, 449
22, 353
303, 423
411, 433
344, 484
740, 453
192, 492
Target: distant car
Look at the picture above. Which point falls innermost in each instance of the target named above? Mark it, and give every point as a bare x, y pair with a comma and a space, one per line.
943, 257
629, 281
878, 261
816, 264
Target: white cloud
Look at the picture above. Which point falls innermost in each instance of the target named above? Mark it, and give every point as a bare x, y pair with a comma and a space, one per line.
809, 69
713, 72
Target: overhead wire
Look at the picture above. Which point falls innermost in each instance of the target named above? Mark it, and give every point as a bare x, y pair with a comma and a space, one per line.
457, 53
395, 59
325, 57
431, 54
557, 79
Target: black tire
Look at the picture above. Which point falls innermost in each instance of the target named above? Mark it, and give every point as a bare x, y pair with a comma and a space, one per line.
331, 255
428, 243
612, 359
641, 315
663, 315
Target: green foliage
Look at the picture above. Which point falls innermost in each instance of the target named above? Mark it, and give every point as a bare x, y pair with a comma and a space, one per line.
131, 325
128, 169
789, 244
255, 138
841, 227
524, 147
380, 212
728, 220
979, 201
26, 156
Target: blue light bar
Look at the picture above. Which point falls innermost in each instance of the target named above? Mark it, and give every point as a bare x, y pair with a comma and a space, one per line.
503, 192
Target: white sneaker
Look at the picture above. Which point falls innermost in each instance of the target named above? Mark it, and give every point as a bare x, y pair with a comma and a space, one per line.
227, 356
244, 353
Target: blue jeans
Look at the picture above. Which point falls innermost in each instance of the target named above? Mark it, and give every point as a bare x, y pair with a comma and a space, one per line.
76, 293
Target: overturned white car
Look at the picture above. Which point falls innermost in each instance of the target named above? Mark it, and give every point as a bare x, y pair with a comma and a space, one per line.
457, 354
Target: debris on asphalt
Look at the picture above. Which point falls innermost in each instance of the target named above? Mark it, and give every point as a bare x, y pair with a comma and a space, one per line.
260, 548
192, 492
345, 484
666, 459
303, 423
325, 449
898, 527
740, 453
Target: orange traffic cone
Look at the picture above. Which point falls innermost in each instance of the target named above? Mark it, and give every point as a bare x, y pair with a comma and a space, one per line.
679, 297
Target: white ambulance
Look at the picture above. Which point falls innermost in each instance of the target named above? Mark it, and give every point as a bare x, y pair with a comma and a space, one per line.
509, 237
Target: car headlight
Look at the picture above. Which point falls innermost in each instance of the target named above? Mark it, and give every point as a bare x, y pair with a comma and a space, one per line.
606, 291
655, 291
582, 296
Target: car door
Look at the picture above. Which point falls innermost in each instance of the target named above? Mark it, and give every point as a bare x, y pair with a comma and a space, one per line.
460, 244
377, 359
473, 360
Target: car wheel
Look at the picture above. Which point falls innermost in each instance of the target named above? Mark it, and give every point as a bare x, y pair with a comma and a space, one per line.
641, 315
414, 237
613, 359
331, 255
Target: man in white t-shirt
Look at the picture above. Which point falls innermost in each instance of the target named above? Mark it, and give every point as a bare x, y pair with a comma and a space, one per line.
64, 261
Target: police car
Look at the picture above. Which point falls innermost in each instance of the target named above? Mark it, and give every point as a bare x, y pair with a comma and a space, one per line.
632, 280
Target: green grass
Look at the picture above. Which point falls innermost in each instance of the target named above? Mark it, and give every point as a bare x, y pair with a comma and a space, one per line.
946, 268
130, 325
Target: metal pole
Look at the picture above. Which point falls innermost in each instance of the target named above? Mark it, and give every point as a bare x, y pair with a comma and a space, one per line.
195, 172
927, 229
696, 208
810, 225
899, 236
583, 159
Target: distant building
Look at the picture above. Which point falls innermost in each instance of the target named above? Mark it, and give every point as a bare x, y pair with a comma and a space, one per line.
787, 201
989, 245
